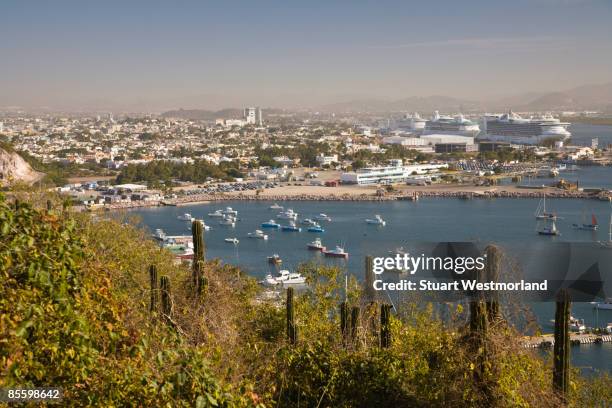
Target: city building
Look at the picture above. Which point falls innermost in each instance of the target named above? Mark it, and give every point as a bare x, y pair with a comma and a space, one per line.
394, 173
253, 116
323, 160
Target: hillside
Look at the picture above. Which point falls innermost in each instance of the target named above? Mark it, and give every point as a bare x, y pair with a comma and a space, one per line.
14, 168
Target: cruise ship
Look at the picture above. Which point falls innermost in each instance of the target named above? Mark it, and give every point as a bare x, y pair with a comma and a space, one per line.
412, 123
458, 125
510, 127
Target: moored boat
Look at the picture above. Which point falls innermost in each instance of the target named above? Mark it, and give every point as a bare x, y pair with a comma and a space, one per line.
275, 206
270, 224
322, 217
258, 234
287, 215
216, 214
185, 217
228, 220
316, 245
275, 259
234, 241
377, 220
337, 252
229, 211
291, 227
284, 277
316, 228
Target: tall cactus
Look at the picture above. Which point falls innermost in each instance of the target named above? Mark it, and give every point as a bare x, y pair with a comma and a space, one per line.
354, 322
166, 299
344, 322
492, 275
154, 290
197, 273
49, 205
385, 325
562, 343
291, 326
201, 280
370, 293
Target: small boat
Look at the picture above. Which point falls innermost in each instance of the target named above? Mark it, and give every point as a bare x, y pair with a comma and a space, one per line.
308, 221
258, 234
270, 224
287, 215
541, 213
316, 228
229, 211
322, 217
291, 227
276, 207
284, 277
216, 214
593, 226
549, 229
185, 217
377, 220
230, 221
605, 305
316, 245
234, 241
337, 252
575, 325
275, 259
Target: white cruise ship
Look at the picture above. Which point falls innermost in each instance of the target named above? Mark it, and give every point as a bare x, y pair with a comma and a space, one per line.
411, 123
458, 125
510, 127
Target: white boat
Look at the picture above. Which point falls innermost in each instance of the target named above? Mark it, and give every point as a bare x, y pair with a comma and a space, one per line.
229, 211
227, 220
308, 221
575, 325
287, 215
541, 213
337, 252
549, 229
316, 245
217, 214
276, 207
593, 226
377, 220
322, 217
270, 224
159, 235
206, 227
258, 234
185, 217
605, 305
284, 277
234, 241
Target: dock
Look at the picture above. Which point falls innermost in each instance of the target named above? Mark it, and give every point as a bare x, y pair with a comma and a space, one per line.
576, 339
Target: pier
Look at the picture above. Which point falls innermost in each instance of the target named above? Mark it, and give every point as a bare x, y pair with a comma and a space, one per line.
576, 339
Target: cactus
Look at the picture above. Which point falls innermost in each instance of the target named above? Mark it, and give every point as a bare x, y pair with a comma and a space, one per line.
291, 327
562, 343
385, 325
197, 231
370, 293
354, 322
492, 275
201, 280
166, 299
344, 321
49, 206
154, 291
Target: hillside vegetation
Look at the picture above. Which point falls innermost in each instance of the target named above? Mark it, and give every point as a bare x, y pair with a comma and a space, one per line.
78, 310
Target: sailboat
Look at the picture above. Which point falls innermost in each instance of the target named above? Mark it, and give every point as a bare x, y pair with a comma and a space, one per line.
541, 213
608, 244
593, 226
550, 229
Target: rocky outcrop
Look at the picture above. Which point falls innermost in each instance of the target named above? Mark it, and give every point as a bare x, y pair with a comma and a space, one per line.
14, 168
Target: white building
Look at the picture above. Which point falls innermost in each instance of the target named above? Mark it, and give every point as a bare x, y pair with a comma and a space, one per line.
396, 173
253, 116
327, 160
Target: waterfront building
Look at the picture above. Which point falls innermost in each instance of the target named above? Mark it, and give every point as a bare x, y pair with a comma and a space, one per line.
394, 173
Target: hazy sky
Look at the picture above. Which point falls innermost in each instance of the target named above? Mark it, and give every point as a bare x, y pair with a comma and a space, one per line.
156, 55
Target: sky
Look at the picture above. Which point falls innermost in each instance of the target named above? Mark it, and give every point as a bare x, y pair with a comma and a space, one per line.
156, 55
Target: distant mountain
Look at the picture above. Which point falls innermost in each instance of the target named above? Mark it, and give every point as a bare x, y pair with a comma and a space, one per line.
414, 103
200, 114
586, 97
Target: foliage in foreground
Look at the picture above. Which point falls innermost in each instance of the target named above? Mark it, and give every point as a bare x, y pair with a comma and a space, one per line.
74, 313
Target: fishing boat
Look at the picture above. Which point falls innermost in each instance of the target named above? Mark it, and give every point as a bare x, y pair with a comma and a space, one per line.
229, 221
308, 221
316, 228
275, 259
234, 241
258, 234
229, 211
284, 277
276, 207
291, 227
605, 305
541, 213
287, 215
377, 220
549, 229
593, 226
337, 252
216, 214
608, 244
322, 217
270, 224
185, 217
316, 245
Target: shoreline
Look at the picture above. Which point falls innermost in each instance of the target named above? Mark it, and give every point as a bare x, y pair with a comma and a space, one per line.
465, 195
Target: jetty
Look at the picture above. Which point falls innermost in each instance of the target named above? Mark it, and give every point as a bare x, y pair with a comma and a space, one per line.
576, 339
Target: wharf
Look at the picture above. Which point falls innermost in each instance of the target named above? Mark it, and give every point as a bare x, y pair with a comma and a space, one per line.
576, 339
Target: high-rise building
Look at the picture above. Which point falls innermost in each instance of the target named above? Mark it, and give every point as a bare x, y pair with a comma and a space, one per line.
253, 116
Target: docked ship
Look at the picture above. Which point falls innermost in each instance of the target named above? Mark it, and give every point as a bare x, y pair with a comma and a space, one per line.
458, 125
412, 123
511, 127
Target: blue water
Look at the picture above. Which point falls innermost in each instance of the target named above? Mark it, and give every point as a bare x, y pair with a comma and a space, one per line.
583, 133
496, 220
